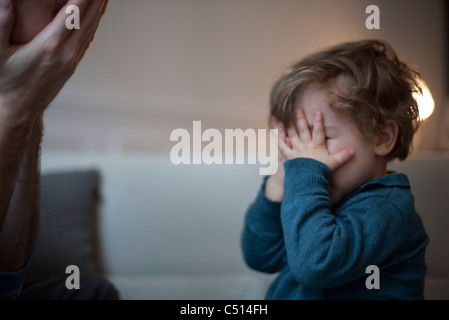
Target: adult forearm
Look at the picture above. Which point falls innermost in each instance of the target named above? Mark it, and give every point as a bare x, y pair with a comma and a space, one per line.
21, 221
15, 134
31, 75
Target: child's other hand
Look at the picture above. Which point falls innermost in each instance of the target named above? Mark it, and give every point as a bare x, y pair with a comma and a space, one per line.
301, 143
274, 186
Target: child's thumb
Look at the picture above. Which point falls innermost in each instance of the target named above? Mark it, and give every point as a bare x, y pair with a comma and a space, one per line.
6, 22
341, 158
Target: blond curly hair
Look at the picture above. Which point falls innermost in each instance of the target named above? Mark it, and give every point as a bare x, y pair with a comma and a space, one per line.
381, 88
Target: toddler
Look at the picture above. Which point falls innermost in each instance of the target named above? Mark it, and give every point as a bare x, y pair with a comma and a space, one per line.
334, 209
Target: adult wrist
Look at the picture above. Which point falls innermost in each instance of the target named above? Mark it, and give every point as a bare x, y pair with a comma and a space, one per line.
16, 118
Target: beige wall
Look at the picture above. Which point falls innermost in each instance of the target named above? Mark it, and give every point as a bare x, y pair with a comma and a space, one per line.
159, 65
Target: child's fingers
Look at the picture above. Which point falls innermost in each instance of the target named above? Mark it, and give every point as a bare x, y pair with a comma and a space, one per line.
303, 126
281, 129
341, 158
289, 143
282, 138
282, 156
318, 135
293, 135
284, 148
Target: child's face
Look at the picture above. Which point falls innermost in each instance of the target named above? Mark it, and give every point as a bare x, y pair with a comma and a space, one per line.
341, 133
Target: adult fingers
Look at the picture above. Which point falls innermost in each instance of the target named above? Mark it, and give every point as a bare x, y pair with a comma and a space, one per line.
6, 22
56, 32
90, 21
80, 40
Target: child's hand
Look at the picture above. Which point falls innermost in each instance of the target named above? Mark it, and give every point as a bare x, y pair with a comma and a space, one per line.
306, 144
274, 186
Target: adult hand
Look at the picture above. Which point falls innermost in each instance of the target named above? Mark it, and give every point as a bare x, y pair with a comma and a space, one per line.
31, 75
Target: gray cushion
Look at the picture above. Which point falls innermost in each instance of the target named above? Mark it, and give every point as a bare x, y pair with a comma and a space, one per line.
67, 234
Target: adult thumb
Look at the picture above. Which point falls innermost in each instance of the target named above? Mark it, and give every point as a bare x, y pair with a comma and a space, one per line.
6, 22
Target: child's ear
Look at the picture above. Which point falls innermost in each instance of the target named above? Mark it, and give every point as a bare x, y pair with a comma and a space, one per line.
386, 139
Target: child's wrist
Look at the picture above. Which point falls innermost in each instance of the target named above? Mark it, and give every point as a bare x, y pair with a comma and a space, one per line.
274, 189
305, 176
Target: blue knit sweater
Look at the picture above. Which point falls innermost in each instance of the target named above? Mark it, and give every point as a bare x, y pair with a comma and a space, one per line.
322, 251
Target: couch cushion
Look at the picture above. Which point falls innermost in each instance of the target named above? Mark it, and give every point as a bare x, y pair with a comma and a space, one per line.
67, 224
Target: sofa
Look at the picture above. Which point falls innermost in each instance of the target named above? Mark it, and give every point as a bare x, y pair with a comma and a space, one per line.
162, 231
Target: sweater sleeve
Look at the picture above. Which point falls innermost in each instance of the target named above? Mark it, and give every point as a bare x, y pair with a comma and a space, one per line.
324, 249
262, 237
11, 282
